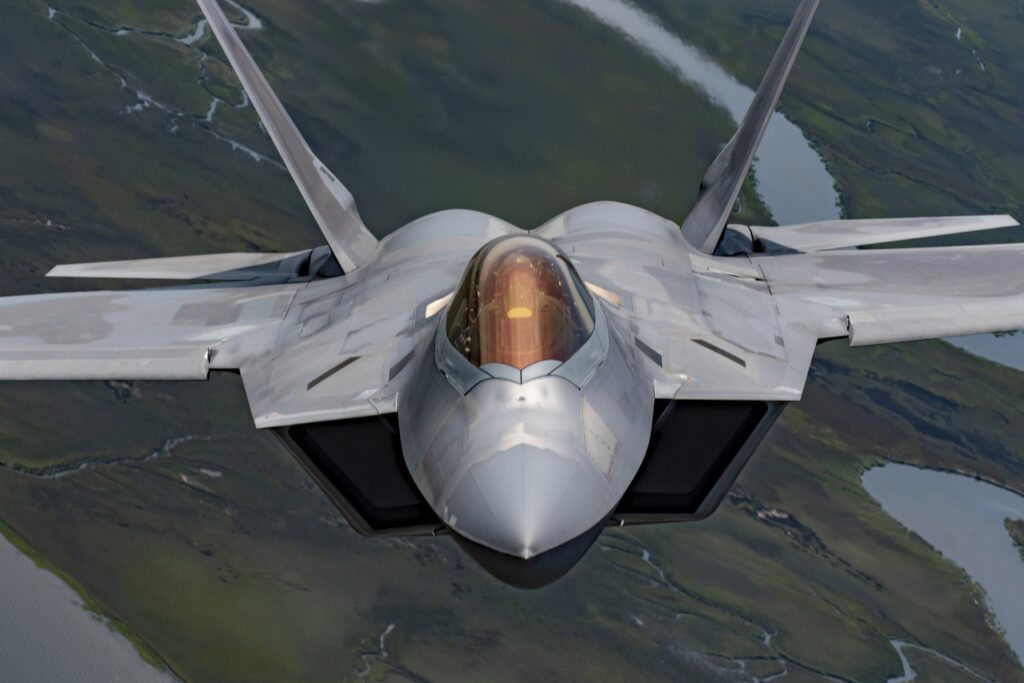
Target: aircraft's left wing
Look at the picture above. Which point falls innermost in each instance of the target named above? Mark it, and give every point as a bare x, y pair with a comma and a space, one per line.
847, 234
151, 334
745, 328
892, 295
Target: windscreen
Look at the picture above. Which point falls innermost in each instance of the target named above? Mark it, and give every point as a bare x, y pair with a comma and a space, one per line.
520, 302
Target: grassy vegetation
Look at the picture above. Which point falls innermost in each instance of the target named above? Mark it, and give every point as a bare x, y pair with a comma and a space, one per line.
1016, 529
932, 669
908, 120
89, 602
252, 576
523, 110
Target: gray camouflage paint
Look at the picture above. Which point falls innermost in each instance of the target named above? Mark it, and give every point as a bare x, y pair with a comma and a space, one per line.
519, 462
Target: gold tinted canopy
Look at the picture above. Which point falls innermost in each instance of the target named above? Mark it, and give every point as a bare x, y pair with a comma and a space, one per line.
520, 303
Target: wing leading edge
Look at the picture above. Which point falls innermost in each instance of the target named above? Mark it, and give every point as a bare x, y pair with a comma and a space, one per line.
331, 203
234, 267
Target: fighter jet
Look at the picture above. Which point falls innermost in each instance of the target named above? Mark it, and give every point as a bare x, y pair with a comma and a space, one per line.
521, 390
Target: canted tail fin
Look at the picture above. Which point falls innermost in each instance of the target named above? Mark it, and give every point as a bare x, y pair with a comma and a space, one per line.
723, 180
331, 203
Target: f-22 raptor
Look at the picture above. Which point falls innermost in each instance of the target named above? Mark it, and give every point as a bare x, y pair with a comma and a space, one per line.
522, 390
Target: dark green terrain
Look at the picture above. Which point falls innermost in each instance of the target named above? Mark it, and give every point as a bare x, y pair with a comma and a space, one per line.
219, 556
1016, 529
908, 117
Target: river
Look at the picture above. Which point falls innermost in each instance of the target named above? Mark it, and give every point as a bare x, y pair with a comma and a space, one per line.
67, 642
1006, 350
964, 519
791, 177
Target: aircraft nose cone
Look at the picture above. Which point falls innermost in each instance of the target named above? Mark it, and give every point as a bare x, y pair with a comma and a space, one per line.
525, 475
527, 500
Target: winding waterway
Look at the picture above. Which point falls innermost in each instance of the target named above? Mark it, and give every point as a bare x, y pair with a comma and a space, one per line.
792, 179
964, 519
791, 176
47, 635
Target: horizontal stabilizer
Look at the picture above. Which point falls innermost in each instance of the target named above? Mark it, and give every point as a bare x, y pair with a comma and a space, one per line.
811, 237
238, 267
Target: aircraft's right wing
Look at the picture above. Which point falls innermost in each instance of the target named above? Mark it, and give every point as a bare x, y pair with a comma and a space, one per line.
723, 180
149, 334
330, 202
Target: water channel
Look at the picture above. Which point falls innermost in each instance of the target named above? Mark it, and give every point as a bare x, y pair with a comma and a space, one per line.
791, 176
68, 643
964, 519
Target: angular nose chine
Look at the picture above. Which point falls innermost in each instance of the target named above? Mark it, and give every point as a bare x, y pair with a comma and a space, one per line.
526, 467
526, 483
527, 500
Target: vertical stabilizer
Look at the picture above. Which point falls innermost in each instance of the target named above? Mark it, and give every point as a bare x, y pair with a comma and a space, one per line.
330, 202
723, 180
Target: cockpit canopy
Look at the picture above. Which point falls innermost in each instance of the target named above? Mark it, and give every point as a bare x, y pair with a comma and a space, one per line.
519, 303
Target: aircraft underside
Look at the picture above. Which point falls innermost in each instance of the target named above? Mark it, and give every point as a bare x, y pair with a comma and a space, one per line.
697, 450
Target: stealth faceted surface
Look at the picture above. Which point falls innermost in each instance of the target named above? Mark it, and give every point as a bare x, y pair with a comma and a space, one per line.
252, 574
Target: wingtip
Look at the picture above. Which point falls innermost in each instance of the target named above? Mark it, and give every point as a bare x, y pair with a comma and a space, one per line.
1003, 220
